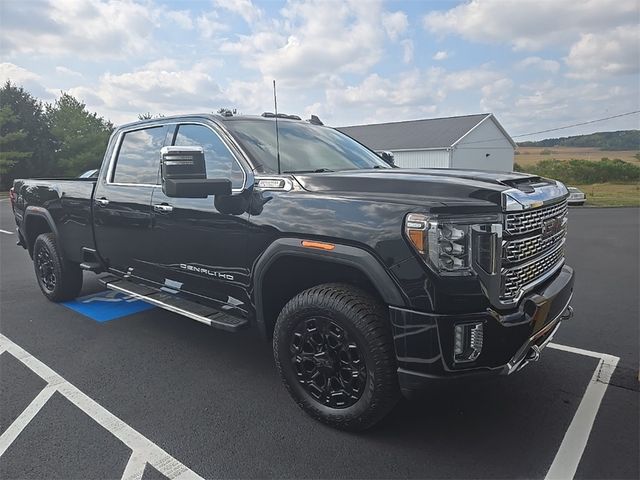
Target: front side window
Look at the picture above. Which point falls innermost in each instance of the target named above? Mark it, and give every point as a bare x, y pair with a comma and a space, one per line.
219, 161
139, 156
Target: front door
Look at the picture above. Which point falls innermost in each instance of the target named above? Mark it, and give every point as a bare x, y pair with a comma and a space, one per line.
122, 201
201, 242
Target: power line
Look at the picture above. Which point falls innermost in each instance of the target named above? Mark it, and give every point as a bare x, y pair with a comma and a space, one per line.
558, 128
577, 124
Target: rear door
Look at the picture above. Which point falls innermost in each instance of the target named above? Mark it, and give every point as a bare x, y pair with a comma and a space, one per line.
122, 202
201, 242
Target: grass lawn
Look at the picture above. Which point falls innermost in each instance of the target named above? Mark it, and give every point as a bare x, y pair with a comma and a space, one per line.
612, 194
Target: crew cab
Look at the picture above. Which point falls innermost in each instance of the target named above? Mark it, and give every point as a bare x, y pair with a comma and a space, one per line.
370, 281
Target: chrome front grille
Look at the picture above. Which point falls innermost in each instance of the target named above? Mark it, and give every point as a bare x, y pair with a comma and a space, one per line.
525, 248
518, 278
524, 222
532, 248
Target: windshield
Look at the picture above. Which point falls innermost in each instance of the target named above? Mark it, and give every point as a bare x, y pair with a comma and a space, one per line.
303, 147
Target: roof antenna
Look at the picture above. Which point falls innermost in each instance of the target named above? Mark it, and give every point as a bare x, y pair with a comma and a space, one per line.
275, 103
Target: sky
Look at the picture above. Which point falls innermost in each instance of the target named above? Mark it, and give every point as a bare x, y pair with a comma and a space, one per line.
536, 64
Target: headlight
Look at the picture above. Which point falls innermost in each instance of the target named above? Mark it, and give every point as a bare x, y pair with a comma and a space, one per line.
450, 245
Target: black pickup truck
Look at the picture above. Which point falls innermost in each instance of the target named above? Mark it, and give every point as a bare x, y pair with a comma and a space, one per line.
369, 280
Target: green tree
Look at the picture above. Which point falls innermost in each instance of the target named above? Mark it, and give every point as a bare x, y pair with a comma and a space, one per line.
227, 112
80, 137
11, 139
149, 116
27, 146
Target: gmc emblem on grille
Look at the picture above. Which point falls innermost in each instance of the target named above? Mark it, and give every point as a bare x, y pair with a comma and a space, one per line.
551, 227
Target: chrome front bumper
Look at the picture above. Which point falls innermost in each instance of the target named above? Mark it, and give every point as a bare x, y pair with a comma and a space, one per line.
530, 351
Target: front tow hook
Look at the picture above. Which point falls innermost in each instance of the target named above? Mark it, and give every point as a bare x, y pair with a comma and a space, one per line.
533, 355
567, 314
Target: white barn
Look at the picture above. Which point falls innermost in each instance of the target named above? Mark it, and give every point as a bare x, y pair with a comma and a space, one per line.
470, 141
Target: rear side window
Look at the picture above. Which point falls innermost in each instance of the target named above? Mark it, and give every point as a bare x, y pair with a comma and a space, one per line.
219, 160
139, 156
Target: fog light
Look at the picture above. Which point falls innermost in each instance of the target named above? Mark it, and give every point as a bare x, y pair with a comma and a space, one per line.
467, 342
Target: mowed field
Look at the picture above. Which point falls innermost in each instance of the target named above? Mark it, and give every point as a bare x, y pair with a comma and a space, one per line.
612, 194
530, 155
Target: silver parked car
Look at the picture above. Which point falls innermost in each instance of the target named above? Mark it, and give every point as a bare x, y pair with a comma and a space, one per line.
576, 196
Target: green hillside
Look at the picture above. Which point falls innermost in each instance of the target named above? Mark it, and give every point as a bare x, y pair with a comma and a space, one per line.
620, 140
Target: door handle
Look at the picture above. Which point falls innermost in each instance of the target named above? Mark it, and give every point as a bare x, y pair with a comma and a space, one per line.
163, 208
103, 202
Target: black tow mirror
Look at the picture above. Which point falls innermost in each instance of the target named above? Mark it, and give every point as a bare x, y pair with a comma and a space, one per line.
184, 174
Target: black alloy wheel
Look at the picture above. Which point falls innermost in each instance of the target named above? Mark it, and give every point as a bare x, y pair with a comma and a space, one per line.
328, 362
334, 351
44, 265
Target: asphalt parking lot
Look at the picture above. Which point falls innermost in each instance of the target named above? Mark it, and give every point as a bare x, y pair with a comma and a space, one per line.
153, 388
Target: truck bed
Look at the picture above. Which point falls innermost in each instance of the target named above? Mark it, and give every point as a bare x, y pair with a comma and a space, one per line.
65, 202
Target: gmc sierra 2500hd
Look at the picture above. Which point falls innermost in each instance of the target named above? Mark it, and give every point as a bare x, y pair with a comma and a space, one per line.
369, 280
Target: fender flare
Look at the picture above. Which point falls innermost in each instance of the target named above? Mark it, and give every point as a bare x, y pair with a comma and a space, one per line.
33, 211
347, 255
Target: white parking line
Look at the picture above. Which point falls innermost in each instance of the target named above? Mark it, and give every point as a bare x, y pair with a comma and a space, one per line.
564, 465
575, 439
11, 433
6, 231
144, 450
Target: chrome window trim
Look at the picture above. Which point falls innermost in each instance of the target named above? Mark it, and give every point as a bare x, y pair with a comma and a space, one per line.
116, 150
133, 128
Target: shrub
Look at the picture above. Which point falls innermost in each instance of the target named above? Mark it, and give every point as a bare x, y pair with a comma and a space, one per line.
585, 171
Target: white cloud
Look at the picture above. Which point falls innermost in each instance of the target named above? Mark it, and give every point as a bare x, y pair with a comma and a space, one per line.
441, 55
17, 74
245, 8
91, 29
540, 63
410, 94
407, 50
531, 24
315, 40
67, 71
496, 95
158, 87
182, 18
613, 53
395, 24
31, 81
209, 24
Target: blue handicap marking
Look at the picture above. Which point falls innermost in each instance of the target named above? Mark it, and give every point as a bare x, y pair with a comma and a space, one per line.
107, 305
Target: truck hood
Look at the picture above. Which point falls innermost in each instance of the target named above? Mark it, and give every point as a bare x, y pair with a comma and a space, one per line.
422, 186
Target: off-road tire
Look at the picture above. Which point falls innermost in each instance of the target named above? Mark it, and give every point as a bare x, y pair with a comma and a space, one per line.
67, 276
365, 320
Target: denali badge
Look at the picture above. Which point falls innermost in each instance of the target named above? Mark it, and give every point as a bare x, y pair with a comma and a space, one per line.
206, 271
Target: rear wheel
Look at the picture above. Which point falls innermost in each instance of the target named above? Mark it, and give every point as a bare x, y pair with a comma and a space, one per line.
58, 279
334, 351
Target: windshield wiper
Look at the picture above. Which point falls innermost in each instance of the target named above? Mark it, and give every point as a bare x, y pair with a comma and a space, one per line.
317, 170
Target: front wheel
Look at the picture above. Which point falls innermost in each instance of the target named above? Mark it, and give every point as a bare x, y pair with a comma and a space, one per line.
333, 349
58, 279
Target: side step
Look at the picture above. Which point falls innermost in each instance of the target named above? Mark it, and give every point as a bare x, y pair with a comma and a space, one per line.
91, 261
168, 301
91, 267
